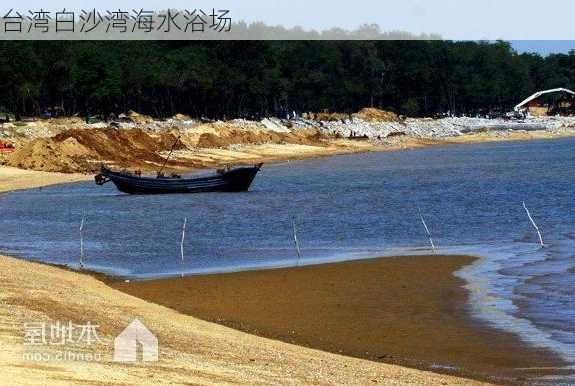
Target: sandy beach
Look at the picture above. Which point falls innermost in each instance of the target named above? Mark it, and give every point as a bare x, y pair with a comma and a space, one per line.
509, 136
16, 179
191, 350
403, 310
394, 320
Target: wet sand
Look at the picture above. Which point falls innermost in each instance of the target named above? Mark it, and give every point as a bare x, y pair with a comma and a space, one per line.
408, 310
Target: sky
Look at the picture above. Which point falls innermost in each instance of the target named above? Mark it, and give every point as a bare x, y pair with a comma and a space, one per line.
452, 19
544, 47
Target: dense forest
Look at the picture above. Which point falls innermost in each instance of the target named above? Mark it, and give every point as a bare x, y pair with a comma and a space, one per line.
220, 79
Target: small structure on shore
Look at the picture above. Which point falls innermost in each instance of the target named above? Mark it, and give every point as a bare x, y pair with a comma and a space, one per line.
563, 103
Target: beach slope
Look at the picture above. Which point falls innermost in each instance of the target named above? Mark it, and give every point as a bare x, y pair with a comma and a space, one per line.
191, 350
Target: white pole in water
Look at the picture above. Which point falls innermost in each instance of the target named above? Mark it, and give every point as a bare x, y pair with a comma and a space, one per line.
534, 225
82, 224
426, 230
296, 242
182, 243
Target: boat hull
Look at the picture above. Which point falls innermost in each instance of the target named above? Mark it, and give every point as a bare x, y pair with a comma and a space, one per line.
236, 180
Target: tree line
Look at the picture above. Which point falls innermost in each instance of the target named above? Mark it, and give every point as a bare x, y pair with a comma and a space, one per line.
226, 79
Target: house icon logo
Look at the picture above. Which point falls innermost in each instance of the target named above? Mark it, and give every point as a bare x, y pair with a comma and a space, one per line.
135, 335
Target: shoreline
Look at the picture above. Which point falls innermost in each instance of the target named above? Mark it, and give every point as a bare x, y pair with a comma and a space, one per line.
206, 146
29, 179
408, 311
192, 350
14, 179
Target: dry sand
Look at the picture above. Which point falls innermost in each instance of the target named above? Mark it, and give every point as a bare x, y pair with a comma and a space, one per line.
508, 136
16, 179
252, 154
84, 150
192, 351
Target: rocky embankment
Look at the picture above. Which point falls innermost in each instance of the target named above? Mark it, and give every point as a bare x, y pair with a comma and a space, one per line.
444, 127
136, 141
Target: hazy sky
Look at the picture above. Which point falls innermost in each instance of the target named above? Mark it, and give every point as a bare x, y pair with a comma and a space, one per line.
544, 47
453, 19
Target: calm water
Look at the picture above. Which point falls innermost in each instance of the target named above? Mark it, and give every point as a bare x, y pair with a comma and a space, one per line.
345, 207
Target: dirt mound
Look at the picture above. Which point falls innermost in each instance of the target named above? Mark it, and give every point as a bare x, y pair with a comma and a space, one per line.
222, 135
330, 117
368, 114
371, 114
232, 137
42, 154
84, 150
181, 117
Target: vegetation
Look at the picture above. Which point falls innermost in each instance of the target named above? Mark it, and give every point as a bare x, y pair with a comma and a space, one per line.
245, 78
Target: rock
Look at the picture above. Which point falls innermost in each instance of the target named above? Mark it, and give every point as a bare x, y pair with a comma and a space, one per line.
274, 124
442, 128
181, 117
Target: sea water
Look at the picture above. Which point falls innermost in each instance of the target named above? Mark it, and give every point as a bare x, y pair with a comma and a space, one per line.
344, 207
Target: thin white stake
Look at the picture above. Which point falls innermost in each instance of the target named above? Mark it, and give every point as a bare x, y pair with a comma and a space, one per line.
296, 241
426, 230
182, 243
534, 225
82, 241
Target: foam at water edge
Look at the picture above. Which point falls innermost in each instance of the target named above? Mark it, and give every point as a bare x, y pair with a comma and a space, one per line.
491, 294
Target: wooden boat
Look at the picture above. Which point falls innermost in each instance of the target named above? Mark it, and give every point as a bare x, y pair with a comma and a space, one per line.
232, 180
